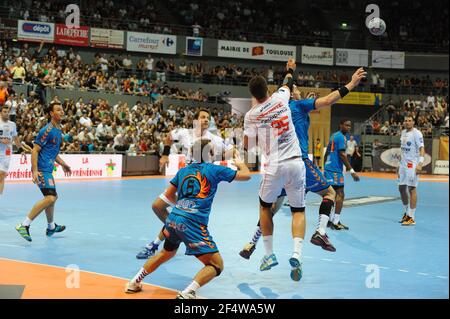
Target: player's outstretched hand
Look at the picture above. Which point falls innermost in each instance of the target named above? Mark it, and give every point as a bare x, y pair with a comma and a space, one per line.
67, 170
163, 162
26, 148
358, 76
355, 177
36, 176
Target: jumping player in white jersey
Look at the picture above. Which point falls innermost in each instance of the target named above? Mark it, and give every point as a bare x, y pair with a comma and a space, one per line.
8, 135
413, 152
187, 138
269, 124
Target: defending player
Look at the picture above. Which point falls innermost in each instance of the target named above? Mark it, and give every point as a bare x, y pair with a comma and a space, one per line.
43, 157
315, 181
8, 135
413, 152
193, 190
335, 159
186, 137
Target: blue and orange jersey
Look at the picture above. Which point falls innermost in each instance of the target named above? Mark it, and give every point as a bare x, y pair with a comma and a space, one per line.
196, 187
337, 143
300, 110
49, 139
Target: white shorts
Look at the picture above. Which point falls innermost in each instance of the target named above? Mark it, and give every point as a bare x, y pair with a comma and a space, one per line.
4, 163
290, 175
407, 176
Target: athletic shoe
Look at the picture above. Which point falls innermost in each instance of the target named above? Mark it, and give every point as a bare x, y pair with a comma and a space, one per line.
147, 252
248, 250
339, 226
322, 241
189, 295
296, 271
268, 262
57, 229
133, 287
404, 218
409, 222
24, 231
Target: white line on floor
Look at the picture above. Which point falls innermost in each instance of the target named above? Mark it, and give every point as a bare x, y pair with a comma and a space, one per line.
423, 274
95, 234
403, 270
8, 245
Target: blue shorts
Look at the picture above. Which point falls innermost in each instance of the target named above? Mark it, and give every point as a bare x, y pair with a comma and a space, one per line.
334, 178
47, 184
195, 236
315, 181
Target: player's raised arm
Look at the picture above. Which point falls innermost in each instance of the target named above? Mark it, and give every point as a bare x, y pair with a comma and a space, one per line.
288, 80
340, 93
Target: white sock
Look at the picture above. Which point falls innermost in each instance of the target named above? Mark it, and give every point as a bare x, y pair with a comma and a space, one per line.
192, 287
322, 226
405, 208
51, 226
298, 245
332, 215
157, 241
140, 276
27, 222
336, 218
411, 212
268, 244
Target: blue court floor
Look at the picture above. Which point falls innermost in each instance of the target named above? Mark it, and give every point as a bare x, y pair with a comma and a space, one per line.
108, 223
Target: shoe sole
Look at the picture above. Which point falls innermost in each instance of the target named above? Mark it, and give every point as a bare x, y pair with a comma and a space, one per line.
27, 239
129, 291
270, 267
244, 255
295, 274
408, 224
320, 243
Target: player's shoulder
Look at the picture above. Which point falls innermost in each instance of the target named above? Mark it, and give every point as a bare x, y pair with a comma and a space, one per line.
417, 132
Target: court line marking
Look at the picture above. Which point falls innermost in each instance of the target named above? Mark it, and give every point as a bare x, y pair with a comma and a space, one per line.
90, 272
403, 270
8, 245
423, 274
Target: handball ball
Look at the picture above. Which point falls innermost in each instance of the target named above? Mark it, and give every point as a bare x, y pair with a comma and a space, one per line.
377, 26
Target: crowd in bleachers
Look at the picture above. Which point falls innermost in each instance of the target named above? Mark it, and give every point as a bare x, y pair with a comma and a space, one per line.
430, 113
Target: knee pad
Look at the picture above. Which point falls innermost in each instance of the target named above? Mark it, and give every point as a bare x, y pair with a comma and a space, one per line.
217, 269
297, 209
170, 246
326, 207
264, 204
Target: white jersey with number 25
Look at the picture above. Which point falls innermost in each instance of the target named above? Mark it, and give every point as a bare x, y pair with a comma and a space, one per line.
271, 121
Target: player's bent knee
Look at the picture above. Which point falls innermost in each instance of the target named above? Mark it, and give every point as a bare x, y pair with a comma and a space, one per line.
51, 199
218, 269
264, 204
170, 246
297, 209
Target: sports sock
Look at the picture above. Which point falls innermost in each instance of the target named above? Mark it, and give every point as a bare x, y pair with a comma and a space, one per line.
411, 212
332, 215
27, 222
322, 225
298, 245
268, 244
140, 276
256, 235
336, 219
51, 226
405, 208
192, 287
157, 241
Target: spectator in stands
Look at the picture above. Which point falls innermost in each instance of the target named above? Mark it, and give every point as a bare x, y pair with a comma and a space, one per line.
376, 149
385, 128
356, 160
351, 145
161, 67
